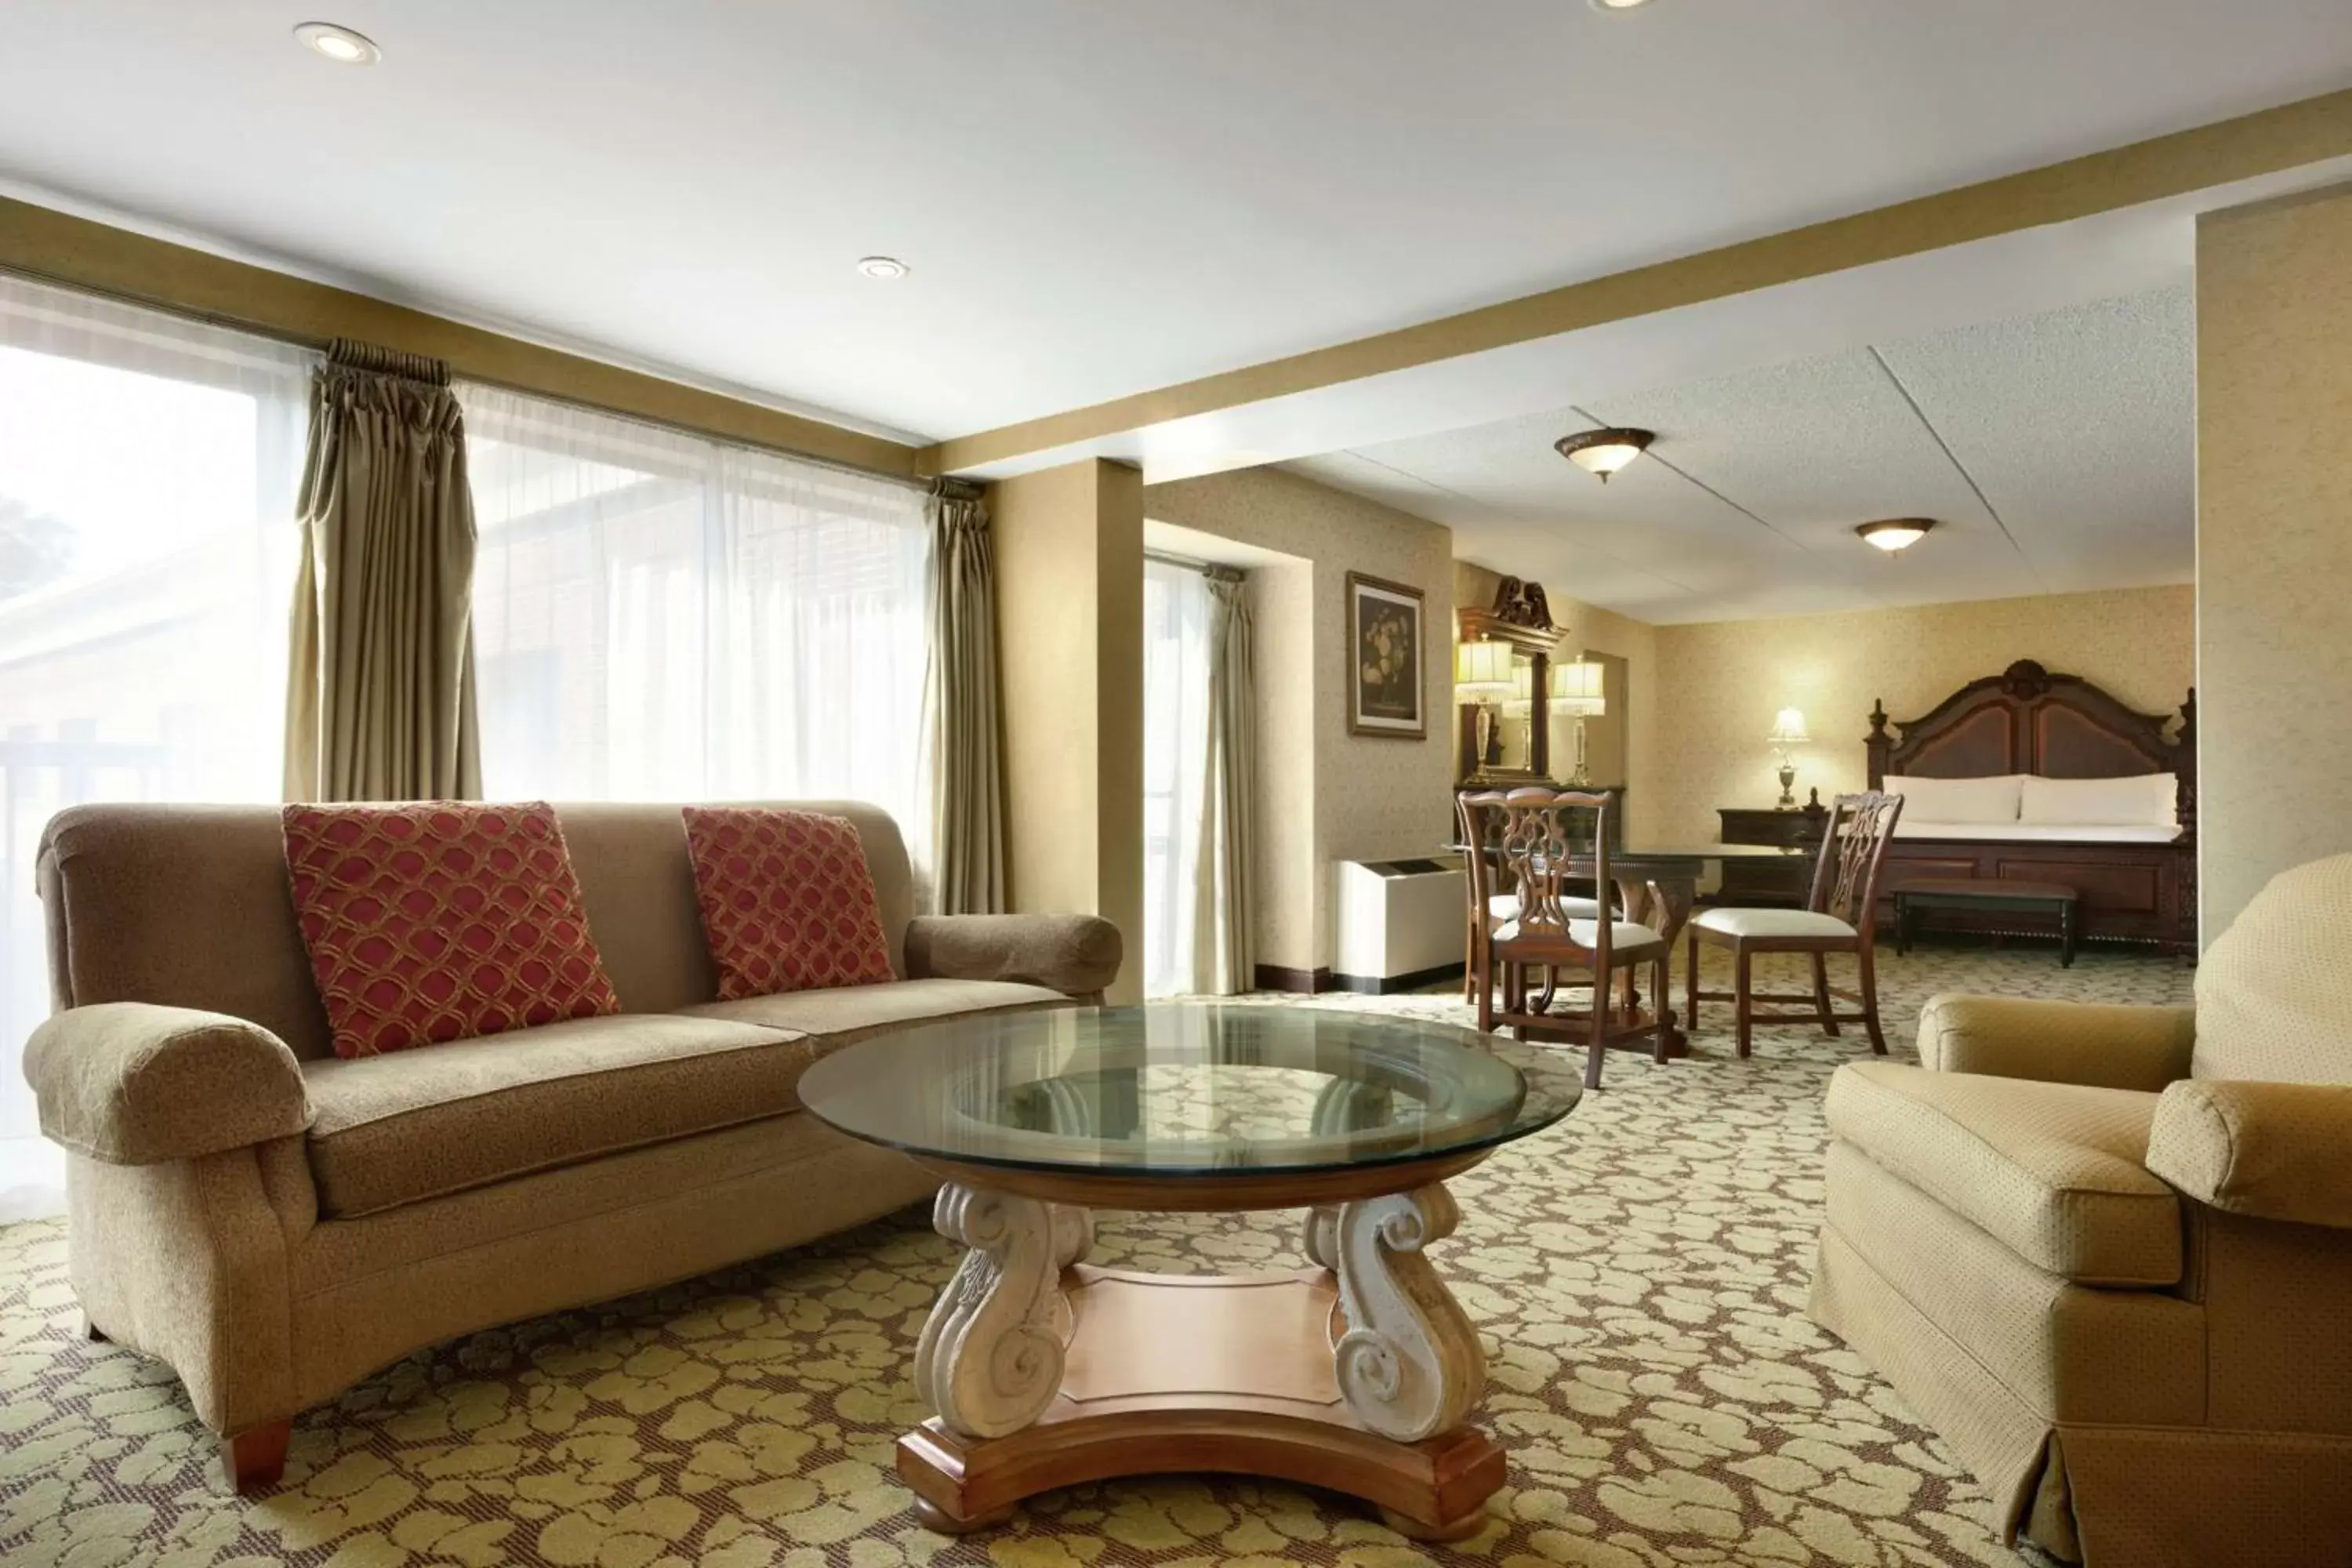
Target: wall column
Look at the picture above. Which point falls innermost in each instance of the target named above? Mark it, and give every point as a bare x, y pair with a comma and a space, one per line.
2273, 543
1069, 608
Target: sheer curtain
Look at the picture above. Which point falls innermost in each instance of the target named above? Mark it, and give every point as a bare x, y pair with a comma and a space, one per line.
148, 466
660, 616
1177, 612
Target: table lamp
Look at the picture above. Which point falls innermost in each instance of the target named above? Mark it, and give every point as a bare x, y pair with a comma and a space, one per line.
1482, 675
1576, 691
1788, 733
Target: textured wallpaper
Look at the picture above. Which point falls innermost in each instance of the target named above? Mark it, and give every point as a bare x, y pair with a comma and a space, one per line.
1326, 796
1720, 683
2273, 541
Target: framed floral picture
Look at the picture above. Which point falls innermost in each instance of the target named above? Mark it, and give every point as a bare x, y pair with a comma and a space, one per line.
1384, 646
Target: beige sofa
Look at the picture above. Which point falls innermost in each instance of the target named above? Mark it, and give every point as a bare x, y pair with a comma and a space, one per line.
2106, 1250
275, 1222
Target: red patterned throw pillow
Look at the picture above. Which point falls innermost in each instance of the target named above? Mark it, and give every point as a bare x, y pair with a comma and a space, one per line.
441, 920
787, 901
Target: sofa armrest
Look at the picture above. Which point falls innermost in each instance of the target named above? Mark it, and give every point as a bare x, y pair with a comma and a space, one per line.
1077, 955
2102, 1045
135, 1084
2275, 1150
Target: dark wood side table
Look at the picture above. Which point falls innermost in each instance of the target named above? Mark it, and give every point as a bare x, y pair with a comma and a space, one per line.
2050, 899
1781, 881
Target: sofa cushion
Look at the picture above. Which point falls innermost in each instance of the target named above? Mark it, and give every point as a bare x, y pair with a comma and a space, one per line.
2052, 1171
787, 901
394, 1129
441, 920
842, 1016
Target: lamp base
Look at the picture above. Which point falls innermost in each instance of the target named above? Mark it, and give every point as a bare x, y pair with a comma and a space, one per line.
1788, 801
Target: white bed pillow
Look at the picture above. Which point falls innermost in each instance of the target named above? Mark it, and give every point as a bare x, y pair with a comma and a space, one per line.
1992, 799
2146, 800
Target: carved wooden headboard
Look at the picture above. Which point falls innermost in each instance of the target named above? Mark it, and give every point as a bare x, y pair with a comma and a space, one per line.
2027, 721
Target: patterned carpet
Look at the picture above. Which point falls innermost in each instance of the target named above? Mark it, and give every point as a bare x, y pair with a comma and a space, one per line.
1639, 1272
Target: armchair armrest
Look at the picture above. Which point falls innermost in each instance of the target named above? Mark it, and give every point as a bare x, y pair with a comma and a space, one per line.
1077, 955
2275, 1150
2102, 1045
135, 1084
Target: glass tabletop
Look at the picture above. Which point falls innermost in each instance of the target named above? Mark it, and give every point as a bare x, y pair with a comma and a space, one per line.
1189, 1089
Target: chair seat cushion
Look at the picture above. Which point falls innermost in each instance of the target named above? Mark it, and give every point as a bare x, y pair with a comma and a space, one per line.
1624, 935
400, 1128
1771, 922
1504, 908
851, 1012
2053, 1172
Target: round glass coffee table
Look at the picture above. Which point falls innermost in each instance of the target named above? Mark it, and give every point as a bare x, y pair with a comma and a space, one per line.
1357, 1375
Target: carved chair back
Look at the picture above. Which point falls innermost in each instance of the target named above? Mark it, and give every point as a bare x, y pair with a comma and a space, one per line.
1528, 841
1853, 851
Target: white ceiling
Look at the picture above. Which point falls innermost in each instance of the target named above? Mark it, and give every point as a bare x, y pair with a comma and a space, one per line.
2055, 452
1096, 199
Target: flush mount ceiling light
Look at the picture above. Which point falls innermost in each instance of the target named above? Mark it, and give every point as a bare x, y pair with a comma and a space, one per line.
1601, 453
340, 45
1896, 533
1617, 5
883, 267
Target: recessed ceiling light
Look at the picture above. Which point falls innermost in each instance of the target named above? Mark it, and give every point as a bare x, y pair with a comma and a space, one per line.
340, 45
1601, 453
1897, 532
1617, 5
883, 267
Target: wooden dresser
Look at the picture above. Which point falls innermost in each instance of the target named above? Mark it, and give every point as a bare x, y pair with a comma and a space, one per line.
1767, 881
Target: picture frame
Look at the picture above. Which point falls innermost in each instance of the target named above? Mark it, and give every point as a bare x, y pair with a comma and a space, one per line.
1386, 655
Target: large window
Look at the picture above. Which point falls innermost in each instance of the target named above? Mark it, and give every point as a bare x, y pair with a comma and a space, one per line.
147, 474
658, 616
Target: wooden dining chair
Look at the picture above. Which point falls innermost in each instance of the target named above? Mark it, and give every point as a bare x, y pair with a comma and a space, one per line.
1530, 839
1840, 915
1496, 901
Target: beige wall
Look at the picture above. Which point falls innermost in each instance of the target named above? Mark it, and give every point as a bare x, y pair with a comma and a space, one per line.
1369, 798
1720, 683
1586, 627
1069, 569
2273, 543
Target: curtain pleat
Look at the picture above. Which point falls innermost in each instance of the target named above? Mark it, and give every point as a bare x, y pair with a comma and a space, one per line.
379, 690
960, 702
1224, 948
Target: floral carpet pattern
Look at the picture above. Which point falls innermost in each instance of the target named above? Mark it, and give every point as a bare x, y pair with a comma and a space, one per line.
1639, 1273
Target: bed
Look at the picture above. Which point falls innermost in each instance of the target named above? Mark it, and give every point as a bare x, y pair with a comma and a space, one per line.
2093, 777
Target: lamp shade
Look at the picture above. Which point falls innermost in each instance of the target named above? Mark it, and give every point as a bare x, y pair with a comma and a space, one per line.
1577, 687
1483, 668
1789, 729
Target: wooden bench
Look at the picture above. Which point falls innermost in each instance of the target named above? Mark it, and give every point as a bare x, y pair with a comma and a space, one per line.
2052, 901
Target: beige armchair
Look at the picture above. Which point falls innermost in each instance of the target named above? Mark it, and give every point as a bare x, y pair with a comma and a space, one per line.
2106, 1251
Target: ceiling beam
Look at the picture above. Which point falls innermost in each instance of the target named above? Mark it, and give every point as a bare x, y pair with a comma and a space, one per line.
41, 242
2250, 146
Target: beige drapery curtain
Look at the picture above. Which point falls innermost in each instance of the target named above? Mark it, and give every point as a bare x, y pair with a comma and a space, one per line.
380, 691
960, 702
1225, 945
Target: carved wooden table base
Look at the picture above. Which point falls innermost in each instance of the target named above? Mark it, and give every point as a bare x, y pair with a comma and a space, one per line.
1042, 1371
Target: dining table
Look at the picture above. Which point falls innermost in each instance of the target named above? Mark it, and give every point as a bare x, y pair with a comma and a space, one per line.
1657, 885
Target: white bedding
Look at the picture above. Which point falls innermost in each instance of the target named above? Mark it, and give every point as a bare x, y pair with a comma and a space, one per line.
2033, 832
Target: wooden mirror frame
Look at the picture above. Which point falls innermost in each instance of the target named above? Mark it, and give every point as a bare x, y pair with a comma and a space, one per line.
1538, 645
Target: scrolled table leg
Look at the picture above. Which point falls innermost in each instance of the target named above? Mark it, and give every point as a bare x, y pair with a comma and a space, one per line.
990, 1359
1409, 1365
1320, 1236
